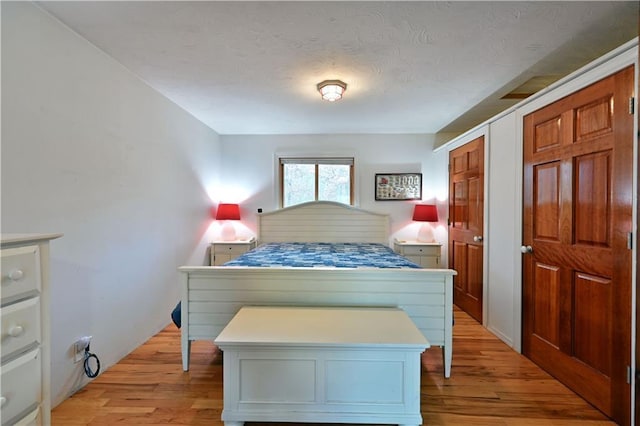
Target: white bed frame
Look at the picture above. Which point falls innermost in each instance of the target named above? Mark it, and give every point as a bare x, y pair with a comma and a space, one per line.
212, 295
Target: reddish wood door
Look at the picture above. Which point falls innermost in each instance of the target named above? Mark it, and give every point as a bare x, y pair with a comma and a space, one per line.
466, 212
577, 218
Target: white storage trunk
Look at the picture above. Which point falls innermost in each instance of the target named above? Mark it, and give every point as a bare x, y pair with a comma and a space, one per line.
327, 365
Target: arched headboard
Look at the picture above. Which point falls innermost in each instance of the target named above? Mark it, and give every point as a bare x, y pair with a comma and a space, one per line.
323, 221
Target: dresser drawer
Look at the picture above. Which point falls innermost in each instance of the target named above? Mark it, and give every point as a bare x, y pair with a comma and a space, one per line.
421, 250
32, 418
21, 386
231, 249
220, 259
20, 272
425, 261
20, 326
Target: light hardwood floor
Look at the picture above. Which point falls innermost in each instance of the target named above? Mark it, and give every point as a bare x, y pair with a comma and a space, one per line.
490, 384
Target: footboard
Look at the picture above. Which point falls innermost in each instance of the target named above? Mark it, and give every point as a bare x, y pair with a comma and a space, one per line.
211, 296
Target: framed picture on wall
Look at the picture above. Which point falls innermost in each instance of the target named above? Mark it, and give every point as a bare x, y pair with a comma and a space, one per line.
398, 186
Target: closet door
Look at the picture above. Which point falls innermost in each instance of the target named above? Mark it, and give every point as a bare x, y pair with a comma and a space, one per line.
577, 264
466, 212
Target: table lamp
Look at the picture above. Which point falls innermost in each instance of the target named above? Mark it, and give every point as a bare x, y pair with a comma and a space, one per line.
425, 213
227, 213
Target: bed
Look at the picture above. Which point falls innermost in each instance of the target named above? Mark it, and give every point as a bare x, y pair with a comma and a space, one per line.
212, 295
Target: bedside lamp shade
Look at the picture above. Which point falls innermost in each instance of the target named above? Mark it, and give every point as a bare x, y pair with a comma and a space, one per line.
228, 212
425, 213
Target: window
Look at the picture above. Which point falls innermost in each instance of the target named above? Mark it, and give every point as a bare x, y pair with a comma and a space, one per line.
310, 179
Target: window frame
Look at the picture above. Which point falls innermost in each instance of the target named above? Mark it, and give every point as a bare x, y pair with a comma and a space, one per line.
317, 161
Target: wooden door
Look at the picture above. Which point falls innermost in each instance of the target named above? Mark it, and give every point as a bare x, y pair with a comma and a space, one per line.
577, 219
466, 212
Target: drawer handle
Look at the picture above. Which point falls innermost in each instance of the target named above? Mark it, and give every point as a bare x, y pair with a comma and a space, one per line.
16, 275
16, 331
3, 400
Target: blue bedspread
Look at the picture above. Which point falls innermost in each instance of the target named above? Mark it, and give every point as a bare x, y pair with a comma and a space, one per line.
339, 255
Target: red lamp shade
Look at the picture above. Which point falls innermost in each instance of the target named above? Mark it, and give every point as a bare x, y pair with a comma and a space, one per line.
425, 213
228, 212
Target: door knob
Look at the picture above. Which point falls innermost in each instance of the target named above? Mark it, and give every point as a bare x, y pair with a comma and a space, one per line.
526, 249
477, 238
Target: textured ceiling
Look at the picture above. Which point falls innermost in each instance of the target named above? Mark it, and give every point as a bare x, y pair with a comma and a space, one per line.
411, 67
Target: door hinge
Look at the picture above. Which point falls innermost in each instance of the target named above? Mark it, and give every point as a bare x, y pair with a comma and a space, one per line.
628, 374
632, 102
630, 240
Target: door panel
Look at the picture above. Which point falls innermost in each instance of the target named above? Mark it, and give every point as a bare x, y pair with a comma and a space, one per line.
546, 205
474, 275
459, 210
594, 119
577, 213
593, 199
592, 319
475, 205
460, 265
546, 306
547, 134
466, 213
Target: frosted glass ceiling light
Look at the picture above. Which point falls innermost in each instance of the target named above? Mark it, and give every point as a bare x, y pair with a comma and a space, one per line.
332, 90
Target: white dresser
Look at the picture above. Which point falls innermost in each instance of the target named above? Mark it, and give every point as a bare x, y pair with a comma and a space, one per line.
25, 347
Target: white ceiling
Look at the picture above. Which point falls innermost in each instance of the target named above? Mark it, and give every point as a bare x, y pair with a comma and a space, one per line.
411, 67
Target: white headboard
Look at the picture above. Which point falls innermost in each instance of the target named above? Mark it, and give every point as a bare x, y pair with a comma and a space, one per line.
323, 221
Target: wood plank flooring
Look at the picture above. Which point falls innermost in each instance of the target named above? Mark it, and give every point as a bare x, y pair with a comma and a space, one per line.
490, 384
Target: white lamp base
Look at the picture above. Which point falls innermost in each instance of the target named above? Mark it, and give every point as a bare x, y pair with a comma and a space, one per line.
425, 234
228, 232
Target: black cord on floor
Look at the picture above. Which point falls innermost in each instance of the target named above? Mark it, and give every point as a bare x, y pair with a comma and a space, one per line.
87, 367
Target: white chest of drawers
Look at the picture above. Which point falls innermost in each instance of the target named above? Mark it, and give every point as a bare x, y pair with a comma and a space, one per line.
25, 345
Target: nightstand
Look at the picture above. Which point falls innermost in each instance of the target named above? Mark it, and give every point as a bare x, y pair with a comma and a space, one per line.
426, 255
224, 251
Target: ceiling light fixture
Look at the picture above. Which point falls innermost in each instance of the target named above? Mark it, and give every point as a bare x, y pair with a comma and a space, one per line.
332, 90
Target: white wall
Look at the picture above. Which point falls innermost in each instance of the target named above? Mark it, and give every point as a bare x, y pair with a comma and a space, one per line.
249, 173
502, 255
91, 151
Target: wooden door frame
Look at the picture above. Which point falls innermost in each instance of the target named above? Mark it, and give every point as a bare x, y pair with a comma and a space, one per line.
635, 280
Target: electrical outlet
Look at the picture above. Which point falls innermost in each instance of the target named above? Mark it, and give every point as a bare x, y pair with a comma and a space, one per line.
80, 346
